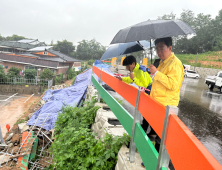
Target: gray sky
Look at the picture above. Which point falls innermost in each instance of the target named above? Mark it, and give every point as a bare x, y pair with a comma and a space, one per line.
76, 20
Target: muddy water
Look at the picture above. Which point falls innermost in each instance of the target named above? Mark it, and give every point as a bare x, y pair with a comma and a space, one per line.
201, 111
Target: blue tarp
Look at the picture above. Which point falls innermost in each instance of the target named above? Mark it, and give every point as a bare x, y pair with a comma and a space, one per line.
63, 97
59, 98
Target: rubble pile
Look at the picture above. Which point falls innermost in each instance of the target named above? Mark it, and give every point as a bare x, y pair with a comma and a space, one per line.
57, 87
26, 146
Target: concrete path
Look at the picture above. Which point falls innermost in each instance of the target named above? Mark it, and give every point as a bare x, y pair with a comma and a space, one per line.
12, 106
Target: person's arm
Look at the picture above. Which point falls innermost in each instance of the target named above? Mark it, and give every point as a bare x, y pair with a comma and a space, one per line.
127, 79
142, 80
172, 80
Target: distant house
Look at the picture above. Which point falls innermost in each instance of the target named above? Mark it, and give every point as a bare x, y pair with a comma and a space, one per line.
20, 46
39, 58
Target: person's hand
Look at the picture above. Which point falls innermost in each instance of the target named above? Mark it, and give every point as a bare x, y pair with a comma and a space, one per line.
132, 75
153, 69
118, 77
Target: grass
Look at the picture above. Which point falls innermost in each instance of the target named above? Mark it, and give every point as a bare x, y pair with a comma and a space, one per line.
210, 56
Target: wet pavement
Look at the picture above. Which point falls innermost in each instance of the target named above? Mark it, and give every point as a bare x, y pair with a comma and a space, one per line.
201, 111
12, 108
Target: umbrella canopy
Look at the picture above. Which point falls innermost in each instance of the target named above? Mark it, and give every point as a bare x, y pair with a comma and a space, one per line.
125, 48
152, 29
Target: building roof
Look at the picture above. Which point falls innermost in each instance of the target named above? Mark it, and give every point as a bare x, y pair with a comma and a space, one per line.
28, 60
63, 56
42, 48
27, 41
20, 45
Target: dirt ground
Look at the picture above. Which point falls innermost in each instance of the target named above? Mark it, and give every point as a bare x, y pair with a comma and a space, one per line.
14, 108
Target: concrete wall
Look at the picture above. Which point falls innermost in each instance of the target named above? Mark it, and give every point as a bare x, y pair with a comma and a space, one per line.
22, 89
101, 127
204, 72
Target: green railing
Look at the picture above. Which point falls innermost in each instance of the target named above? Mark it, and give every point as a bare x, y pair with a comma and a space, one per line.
144, 145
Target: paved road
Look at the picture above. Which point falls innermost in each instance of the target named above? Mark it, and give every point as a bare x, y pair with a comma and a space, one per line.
201, 111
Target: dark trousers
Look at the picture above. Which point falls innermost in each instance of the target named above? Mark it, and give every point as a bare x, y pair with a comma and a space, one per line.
145, 126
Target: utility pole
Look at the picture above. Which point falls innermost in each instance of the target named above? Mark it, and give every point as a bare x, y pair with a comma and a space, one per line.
195, 62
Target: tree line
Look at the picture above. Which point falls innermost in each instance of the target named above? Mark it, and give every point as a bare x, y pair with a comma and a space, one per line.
208, 32
208, 38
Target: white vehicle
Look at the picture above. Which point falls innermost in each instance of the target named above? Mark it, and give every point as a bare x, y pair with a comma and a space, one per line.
215, 81
191, 73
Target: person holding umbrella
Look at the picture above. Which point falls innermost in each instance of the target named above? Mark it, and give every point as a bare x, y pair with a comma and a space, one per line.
138, 74
167, 79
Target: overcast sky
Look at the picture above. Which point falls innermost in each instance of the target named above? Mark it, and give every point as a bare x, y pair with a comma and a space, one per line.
76, 20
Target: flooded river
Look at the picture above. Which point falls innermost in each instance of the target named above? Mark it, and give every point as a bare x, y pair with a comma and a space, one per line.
201, 111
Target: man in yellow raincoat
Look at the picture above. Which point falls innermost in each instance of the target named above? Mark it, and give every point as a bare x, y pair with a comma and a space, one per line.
167, 78
138, 73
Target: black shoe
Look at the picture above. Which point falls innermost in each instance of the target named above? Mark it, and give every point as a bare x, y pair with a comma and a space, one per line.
142, 165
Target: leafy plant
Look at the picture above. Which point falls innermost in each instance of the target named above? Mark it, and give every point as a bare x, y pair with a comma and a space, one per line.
46, 74
14, 72
59, 79
75, 146
71, 73
90, 62
30, 73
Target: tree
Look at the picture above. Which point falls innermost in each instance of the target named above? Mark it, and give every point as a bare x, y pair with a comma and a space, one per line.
64, 46
46, 74
14, 72
89, 50
14, 37
30, 73
170, 16
2, 72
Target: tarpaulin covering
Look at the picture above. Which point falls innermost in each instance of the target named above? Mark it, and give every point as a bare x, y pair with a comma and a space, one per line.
60, 98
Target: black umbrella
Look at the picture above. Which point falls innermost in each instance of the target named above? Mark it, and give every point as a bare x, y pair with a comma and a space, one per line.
116, 50
152, 29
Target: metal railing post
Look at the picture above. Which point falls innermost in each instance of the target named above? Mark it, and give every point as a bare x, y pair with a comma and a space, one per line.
164, 158
100, 83
136, 119
1, 137
91, 83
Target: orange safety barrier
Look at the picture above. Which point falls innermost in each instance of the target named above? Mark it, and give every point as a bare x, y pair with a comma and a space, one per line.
184, 149
106, 61
148, 108
127, 92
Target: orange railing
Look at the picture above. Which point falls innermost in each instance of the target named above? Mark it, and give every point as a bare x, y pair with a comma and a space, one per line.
184, 149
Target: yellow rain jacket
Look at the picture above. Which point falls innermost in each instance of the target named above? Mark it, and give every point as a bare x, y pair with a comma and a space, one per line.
167, 81
142, 78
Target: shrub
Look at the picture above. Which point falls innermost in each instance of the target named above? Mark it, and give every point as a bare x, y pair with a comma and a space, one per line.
71, 73
2, 72
90, 62
75, 146
14, 72
30, 73
59, 79
46, 74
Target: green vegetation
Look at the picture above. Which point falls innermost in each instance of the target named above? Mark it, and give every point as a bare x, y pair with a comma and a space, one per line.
208, 32
73, 80
90, 62
2, 72
46, 74
30, 73
71, 73
64, 46
14, 72
59, 79
20, 121
210, 59
75, 146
